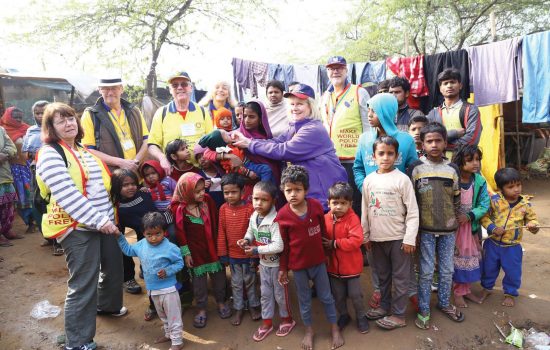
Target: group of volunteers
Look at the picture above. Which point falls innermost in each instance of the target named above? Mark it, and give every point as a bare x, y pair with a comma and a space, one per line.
296, 184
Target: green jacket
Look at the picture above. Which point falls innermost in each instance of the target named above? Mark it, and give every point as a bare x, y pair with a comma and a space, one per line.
8, 148
480, 202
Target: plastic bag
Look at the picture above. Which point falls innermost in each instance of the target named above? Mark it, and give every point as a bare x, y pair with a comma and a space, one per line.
515, 337
536, 338
44, 309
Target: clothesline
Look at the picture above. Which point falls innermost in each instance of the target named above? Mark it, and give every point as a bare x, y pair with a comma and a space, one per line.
495, 72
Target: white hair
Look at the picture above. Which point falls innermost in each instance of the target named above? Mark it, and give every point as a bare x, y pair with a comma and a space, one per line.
205, 101
315, 109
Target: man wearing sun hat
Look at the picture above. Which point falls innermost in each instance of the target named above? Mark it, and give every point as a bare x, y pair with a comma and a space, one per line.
114, 129
181, 118
344, 109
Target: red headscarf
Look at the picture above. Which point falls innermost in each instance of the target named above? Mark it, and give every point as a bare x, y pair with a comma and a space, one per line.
157, 191
14, 128
182, 197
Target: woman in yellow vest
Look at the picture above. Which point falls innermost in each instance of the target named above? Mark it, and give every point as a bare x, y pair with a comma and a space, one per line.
79, 214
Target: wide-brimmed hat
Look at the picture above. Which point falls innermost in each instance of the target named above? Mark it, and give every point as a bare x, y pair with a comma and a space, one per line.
110, 81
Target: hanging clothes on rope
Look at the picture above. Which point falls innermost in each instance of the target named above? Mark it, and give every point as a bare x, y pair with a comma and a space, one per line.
281, 72
435, 64
495, 71
373, 72
536, 72
411, 68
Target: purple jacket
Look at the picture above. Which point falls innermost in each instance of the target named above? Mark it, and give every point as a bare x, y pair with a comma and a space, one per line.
308, 144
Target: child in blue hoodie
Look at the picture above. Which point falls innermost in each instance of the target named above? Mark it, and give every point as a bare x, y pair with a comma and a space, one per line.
160, 261
382, 111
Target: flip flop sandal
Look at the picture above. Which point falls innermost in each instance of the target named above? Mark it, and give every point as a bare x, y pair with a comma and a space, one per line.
285, 329
224, 312
387, 323
199, 321
375, 314
261, 333
452, 313
422, 322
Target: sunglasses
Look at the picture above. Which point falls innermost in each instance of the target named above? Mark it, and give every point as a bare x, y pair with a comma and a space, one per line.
183, 84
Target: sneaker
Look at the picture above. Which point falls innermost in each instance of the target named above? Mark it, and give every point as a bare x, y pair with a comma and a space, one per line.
132, 287
123, 311
58, 250
89, 346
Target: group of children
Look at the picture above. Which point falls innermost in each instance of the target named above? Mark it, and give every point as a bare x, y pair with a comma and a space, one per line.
434, 212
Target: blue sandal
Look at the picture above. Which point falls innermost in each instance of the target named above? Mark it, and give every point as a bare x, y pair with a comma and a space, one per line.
224, 312
199, 321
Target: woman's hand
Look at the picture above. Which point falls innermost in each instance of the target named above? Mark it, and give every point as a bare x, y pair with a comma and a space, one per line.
235, 161
239, 140
109, 228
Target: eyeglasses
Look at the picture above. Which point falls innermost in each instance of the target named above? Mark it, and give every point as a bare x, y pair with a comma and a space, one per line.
109, 88
65, 120
182, 84
336, 68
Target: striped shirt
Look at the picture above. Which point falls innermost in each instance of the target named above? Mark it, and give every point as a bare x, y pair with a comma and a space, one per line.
92, 211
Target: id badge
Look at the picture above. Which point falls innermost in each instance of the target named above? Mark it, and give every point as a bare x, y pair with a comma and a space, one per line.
188, 129
127, 145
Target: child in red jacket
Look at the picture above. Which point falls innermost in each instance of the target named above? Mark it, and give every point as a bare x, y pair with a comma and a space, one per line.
343, 242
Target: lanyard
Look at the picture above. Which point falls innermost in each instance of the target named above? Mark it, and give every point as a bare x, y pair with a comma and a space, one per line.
115, 119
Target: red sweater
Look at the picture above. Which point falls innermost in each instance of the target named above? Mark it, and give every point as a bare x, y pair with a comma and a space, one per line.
302, 238
346, 259
233, 225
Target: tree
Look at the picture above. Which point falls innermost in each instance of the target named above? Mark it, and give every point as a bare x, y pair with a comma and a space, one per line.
143, 28
378, 29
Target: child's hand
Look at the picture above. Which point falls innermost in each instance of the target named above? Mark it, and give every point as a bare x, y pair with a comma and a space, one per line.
252, 175
368, 246
207, 183
463, 219
499, 231
253, 263
327, 243
145, 189
407, 248
283, 277
248, 250
188, 261
161, 274
532, 227
242, 243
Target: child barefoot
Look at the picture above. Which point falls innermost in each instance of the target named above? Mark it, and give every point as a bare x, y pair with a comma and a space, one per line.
178, 154
263, 238
474, 199
343, 242
509, 211
234, 217
161, 260
196, 228
302, 226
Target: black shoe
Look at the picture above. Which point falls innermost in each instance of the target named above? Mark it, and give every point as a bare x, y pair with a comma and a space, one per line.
123, 311
89, 346
343, 321
132, 286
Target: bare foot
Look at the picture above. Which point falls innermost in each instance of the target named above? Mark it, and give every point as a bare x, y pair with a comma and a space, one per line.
508, 301
176, 347
307, 341
337, 339
484, 295
473, 298
162, 339
460, 302
237, 318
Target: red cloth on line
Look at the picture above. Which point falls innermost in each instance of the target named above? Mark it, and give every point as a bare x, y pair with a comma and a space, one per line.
411, 68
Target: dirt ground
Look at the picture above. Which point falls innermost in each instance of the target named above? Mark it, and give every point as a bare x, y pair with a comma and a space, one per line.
29, 274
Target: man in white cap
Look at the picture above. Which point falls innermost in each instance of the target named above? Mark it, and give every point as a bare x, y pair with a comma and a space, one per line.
181, 118
114, 129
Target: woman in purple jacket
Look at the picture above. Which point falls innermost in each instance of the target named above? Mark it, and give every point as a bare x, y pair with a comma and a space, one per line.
306, 143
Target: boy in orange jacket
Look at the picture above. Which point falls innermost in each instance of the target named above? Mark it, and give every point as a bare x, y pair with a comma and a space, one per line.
343, 243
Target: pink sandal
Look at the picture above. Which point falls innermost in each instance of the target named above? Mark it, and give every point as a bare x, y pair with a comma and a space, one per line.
285, 329
261, 333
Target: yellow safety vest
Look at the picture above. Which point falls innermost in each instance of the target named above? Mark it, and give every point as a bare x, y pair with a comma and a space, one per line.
343, 121
56, 221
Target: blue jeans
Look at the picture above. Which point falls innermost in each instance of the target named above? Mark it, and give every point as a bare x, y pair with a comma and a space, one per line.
445, 246
318, 274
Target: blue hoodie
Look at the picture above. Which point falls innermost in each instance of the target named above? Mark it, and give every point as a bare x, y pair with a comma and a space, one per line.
385, 107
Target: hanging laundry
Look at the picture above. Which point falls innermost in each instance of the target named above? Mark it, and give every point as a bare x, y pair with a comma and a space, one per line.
412, 69
435, 64
257, 76
307, 74
373, 72
324, 82
240, 71
281, 72
359, 67
495, 72
536, 73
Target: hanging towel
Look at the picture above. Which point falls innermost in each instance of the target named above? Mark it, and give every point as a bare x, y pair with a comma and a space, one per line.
435, 64
411, 68
373, 72
536, 72
495, 72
